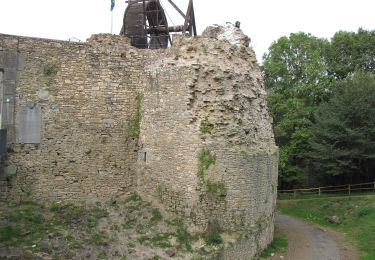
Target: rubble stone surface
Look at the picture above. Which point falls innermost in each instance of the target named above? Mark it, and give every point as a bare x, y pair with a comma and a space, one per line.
186, 126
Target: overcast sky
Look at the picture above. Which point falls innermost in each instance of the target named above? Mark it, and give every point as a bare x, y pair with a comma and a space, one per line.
263, 21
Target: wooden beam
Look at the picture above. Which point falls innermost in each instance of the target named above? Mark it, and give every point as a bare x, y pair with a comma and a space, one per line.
188, 16
178, 9
193, 19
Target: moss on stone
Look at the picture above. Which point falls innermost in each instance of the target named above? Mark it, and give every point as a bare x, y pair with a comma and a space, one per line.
135, 122
217, 188
206, 158
206, 127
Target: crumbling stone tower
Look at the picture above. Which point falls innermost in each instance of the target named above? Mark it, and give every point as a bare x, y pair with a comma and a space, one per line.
186, 126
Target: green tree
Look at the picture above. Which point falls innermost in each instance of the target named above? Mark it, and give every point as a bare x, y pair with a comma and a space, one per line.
296, 78
350, 51
343, 136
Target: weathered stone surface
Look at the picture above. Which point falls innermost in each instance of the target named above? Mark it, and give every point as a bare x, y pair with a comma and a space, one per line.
227, 32
187, 126
333, 219
30, 125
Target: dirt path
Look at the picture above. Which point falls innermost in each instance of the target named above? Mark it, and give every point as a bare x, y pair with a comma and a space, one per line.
312, 242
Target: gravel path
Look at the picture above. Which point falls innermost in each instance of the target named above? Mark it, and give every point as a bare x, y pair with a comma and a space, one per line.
311, 242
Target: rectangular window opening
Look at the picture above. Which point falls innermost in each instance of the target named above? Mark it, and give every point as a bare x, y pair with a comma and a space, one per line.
145, 156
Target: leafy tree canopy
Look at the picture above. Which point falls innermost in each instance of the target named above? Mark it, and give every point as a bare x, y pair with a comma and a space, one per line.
343, 136
295, 73
350, 51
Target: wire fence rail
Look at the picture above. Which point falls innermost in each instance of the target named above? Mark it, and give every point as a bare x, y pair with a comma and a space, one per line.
347, 189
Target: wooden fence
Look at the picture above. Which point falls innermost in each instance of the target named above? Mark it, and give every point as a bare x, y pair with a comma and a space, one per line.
348, 189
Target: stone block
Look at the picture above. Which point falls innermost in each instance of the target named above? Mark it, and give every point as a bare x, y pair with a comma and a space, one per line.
10, 59
21, 61
1, 58
30, 125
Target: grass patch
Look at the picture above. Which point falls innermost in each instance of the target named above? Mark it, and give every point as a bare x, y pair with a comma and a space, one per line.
10, 233
162, 240
301, 196
278, 244
134, 197
357, 215
156, 215
97, 239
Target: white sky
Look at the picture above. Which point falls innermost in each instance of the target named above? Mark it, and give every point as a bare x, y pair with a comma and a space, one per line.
264, 21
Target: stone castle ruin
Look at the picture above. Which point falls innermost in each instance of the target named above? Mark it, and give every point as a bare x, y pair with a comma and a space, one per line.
186, 126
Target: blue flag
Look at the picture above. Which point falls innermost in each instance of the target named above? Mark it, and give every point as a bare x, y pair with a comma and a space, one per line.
112, 5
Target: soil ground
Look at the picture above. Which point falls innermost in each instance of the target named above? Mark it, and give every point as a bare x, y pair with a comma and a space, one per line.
312, 242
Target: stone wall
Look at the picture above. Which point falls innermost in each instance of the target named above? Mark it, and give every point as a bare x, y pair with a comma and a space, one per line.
204, 100
86, 93
186, 126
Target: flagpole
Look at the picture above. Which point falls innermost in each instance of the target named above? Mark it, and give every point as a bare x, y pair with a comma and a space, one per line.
111, 21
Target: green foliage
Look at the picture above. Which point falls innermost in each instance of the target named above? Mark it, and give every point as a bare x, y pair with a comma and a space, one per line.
133, 197
28, 214
72, 242
156, 215
134, 125
162, 240
357, 215
350, 52
10, 233
278, 244
206, 127
143, 239
343, 136
104, 140
217, 188
206, 159
50, 70
296, 79
28, 223
302, 72
97, 239
365, 211
212, 236
74, 214
183, 236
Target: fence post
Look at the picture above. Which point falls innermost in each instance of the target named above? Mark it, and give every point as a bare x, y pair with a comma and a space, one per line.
319, 191
349, 189
294, 193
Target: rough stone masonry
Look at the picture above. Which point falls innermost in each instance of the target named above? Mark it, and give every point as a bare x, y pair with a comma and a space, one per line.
186, 126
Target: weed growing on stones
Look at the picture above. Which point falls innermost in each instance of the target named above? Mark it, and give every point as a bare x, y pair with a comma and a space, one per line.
206, 127
217, 188
206, 159
134, 124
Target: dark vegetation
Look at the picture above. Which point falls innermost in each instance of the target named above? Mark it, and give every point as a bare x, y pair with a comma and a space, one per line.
321, 98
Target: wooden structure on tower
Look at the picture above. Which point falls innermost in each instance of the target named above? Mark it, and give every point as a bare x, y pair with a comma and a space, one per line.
146, 24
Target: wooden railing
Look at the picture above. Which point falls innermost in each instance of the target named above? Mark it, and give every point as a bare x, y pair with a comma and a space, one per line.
348, 189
